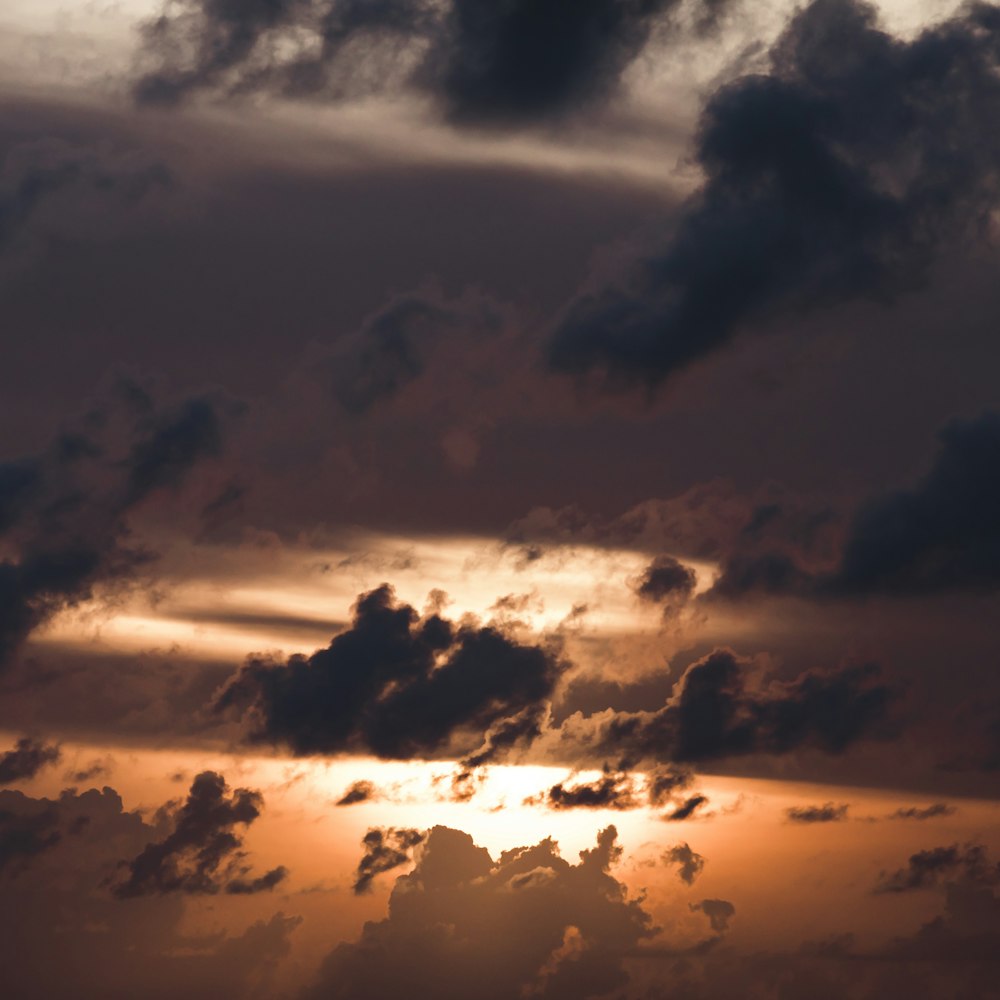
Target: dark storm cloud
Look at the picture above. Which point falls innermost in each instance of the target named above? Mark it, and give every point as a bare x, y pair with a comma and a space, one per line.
929, 868
665, 579
63, 513
940, 535
829, 812
663, 783
203, 853
400, 686
689, 863
359, 791
718, 911
27, 758
52, 174
384, 851
612, 791
715, 713
501, 62
529, 923
837, 175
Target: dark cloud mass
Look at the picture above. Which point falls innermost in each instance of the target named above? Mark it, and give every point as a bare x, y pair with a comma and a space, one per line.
716, 713
929, 868
461, 924
27, 758
203, 852
485, 61
941, 535
838, 174
64, 513
399, 686
666, 580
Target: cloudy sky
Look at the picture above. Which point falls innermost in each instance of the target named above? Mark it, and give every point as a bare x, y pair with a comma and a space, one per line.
499, 498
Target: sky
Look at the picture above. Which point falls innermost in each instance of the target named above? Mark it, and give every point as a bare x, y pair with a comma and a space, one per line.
499, 498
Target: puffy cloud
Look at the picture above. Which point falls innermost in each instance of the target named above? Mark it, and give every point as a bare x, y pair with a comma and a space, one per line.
836, 175
929, 868
203, 853
507, 62
384, 851
940, 535
667, 582
400, 686
718, 911
461, 924
27, 758
689, 863
829, 812
611, 791
715, 713
54, 901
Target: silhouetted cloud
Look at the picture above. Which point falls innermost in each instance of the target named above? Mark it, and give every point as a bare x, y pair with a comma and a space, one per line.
941, 535
928, 868
928, 812
689, 863
529, 921
400, 686
63, 514
718, 911
829, 812
714, 713
384, 851
359, 791
612, 791
27, 758
663, 783
839, 174
203, 853
507, 62
686, 809
666, 581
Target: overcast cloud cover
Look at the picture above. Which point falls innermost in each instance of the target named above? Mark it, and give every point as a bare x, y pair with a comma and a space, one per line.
499, 498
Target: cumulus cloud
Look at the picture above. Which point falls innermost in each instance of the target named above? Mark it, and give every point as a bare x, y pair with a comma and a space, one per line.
27, 758
400, 686
507, 63
54, 901
929, 868
717, 712
203, 852
838, 174
718, 911
689, 863
462, 924
940, 535
384, 851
